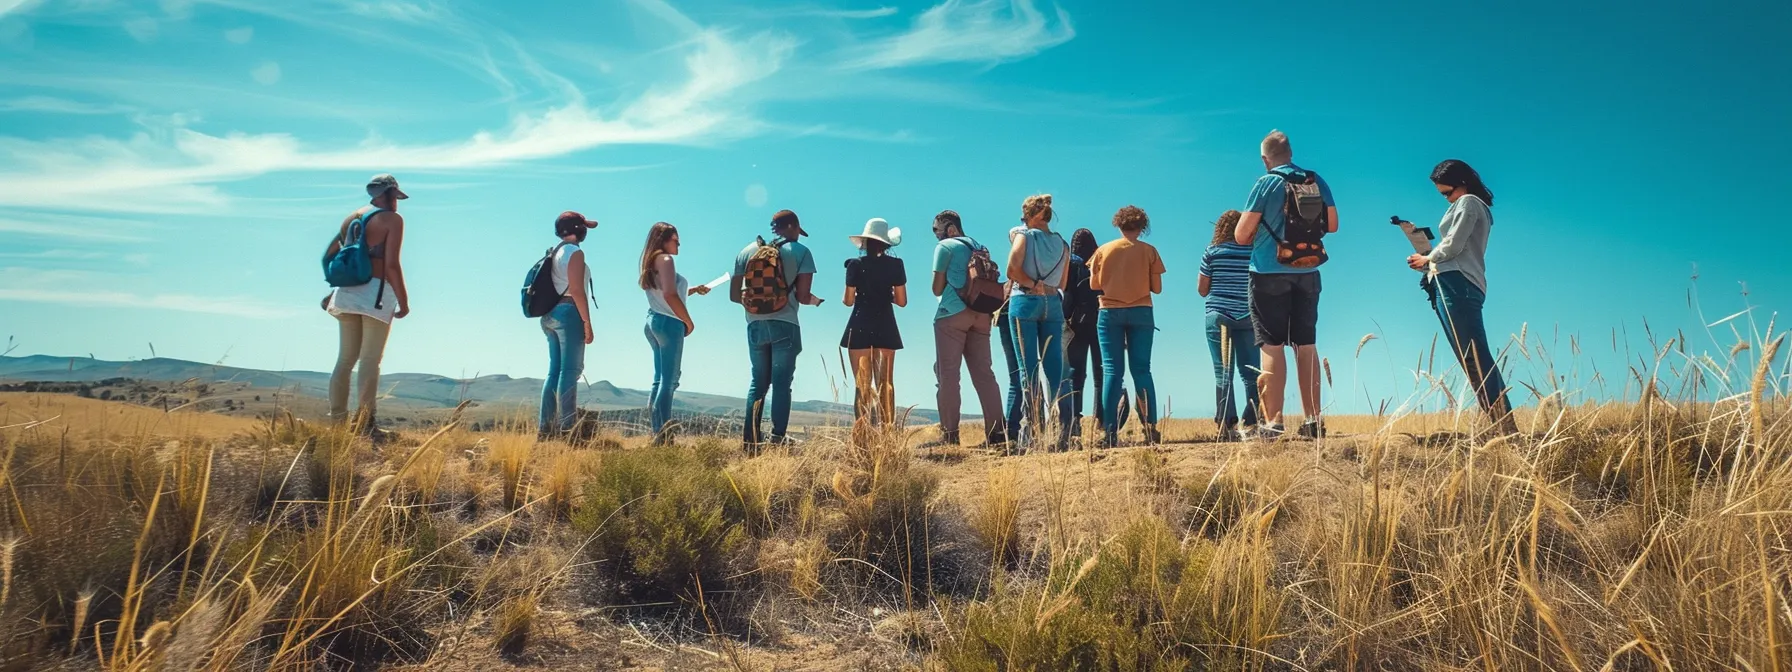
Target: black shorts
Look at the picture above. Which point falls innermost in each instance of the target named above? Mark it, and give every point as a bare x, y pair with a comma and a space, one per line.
1285, 308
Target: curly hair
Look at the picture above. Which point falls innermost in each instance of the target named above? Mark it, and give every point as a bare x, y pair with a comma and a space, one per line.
1225, 229
1033, 205
1131, 219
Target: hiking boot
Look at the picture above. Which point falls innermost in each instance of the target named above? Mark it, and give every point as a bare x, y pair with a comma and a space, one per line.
1270, 431
1152, 436
1230, 435
1312, 429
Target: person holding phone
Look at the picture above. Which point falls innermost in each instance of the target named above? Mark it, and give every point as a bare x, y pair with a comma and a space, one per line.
1456, 282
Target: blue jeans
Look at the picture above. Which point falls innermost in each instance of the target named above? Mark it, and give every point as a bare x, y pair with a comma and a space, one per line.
1457, 302
1236, 355
1006, 326
1126, 335
666, 335
566, 360
1039, 344
772, 346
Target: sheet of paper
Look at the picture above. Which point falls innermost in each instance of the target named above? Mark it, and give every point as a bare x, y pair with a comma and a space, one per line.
1420, 237
718, 282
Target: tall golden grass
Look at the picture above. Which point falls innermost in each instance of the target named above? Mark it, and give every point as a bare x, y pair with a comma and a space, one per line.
1650, 534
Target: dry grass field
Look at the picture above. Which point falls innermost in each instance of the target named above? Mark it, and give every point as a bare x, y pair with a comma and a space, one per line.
1654, 534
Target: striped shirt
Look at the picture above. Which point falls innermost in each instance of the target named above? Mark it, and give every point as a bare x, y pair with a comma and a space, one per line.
1228, 265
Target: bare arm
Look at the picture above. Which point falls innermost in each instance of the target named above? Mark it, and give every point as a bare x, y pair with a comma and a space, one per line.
341, 232
851, 293
666, 276
1157, 283
395, 264
1331, 219
939, 283
734, 288
1206, 285
1247, 227
1016, 255
902, 296
801, 290
575, 284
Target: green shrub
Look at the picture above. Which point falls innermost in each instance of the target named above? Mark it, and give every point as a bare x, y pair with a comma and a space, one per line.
1137, 603
661, 518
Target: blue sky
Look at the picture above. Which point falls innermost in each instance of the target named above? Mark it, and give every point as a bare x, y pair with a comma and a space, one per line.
169, 171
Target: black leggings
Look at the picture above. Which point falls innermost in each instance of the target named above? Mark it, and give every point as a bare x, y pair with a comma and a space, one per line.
1082, 351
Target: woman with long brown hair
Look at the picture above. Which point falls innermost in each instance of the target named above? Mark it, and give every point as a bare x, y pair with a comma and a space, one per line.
668, 321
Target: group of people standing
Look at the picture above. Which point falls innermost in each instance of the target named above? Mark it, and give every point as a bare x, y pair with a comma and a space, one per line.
1060, 308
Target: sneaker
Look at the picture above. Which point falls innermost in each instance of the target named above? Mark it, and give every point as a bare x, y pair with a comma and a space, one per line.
1230, 435
1270, 431
1152, 436
1312, 429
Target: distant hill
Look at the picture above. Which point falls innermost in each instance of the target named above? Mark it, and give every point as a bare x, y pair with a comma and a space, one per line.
419, 391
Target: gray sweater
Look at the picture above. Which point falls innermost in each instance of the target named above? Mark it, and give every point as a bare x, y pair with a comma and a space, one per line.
1462, 244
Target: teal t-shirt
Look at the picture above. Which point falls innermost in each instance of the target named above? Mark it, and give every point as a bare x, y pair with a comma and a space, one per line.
950, 257
795, 260
1267, 197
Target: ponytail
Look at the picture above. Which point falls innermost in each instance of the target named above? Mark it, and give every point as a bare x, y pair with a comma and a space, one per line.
1456, 173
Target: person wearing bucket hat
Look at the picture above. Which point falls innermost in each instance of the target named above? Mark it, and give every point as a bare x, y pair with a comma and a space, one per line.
875, 287
364, 312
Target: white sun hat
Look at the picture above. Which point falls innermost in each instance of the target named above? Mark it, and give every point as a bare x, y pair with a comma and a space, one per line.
879, 230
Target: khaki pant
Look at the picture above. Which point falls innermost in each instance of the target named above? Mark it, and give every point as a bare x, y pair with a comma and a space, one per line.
964, 338
363, 341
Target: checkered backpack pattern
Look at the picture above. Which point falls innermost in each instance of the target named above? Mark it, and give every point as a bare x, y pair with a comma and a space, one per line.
763, 290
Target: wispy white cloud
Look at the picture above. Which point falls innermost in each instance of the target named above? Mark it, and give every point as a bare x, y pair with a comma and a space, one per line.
72, 227
876, 13
396, 10
142, 29
240, 35
52, 105
186, 303
14, 7
970, 31
179, 169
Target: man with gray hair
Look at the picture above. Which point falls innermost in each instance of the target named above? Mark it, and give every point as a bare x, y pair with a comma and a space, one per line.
1284, 284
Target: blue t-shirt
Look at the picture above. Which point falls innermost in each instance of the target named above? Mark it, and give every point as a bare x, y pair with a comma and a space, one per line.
950, 257
795, 260
1267, 197
1228, 268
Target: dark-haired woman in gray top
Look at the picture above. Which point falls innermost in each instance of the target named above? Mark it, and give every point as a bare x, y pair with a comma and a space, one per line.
1456, 281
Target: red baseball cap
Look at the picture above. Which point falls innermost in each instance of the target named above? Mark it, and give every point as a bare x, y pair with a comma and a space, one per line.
569, 220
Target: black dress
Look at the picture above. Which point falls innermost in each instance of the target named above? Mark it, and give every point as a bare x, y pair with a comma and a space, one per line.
873, 322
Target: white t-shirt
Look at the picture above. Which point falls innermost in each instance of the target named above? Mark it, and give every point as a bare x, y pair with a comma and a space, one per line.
656, 299
562, 258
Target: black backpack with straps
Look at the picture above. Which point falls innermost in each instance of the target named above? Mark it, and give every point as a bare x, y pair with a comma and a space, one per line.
1304, 221
539, 295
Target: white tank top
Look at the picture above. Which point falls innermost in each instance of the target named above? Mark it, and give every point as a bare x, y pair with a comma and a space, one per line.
562, 258
656, 298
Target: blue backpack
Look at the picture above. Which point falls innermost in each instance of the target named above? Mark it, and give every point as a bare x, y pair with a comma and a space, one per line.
351, 266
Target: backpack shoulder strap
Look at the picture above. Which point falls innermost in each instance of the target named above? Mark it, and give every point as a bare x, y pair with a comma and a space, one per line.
357, 228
